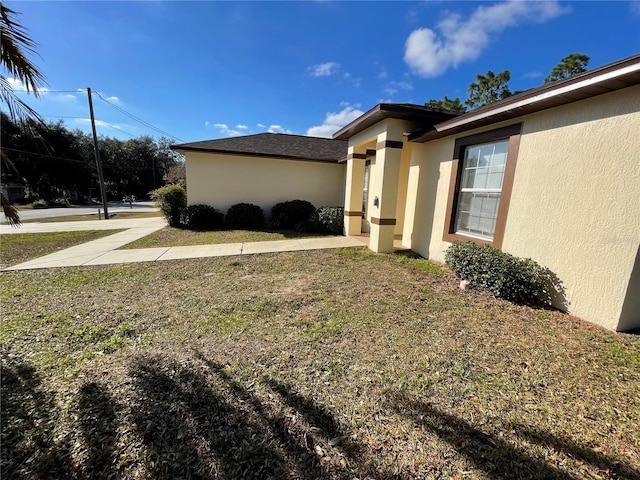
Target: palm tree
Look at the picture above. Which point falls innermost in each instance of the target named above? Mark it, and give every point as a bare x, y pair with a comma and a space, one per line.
15, 45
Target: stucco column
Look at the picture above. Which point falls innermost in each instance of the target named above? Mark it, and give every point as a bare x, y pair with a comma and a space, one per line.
354, 184
383, 216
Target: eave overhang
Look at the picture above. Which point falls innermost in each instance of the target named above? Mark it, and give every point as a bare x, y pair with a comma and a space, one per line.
401, 111
179, 148
614, 76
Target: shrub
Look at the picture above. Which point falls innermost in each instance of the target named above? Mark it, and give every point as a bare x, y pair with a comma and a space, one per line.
244, 216
40, 204
204, 217
60, 202
293, 214
328, 220
515, 279
172, 201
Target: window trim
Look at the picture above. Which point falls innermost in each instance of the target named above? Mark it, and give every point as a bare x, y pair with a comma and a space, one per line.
511, 133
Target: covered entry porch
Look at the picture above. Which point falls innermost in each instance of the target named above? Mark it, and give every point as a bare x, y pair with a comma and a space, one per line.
378, 161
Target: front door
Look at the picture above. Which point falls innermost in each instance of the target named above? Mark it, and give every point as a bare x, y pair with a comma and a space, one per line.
365, 197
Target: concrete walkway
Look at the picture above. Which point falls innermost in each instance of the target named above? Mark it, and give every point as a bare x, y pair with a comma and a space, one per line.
104, 250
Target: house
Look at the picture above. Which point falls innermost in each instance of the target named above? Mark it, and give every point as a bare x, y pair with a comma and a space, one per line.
13, 188
265, 169
551, 174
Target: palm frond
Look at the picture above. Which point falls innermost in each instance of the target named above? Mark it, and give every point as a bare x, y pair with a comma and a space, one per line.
15, 45
10, 212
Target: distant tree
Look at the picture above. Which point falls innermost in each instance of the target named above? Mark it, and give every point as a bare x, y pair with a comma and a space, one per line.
446, 103
14, 45
488, 88
176, 175
570, 65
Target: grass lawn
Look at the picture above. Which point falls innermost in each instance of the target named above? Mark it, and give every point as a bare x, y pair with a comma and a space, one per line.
177, 237
18, 248
321, 364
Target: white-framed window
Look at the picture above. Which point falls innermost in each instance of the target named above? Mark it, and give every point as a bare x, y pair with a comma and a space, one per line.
482, 173
480, 188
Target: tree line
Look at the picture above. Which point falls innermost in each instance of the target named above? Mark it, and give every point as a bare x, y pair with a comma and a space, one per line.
491, 87
55, 162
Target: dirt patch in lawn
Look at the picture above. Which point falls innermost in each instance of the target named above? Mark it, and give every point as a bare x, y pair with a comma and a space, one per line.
327, 364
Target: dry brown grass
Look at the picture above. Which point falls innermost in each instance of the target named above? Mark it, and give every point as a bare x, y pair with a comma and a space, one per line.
326, 364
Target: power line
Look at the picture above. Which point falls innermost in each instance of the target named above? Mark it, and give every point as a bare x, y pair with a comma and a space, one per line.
59, 116
45, 156
109, 163
102, 124
137, 119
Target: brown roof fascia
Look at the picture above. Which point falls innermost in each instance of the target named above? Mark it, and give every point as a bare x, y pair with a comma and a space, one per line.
613, 76
403, 111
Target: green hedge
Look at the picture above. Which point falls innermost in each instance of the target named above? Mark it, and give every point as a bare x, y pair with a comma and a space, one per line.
244, 216
172, 201
294, 214
204, 217
328, 220
519, 280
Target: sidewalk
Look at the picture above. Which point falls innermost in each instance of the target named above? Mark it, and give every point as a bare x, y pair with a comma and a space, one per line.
104, 250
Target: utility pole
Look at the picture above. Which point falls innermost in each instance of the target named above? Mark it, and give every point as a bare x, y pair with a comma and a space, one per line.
103, 192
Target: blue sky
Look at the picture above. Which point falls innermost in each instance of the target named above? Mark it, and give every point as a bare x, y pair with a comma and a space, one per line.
202, 70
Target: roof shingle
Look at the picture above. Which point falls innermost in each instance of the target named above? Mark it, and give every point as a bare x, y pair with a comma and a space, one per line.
274, 145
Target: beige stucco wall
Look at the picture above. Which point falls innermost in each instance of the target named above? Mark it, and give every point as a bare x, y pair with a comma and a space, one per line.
575, 206
224, 180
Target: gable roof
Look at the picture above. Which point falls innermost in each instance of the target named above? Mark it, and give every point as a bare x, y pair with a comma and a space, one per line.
608, 78
273, 145
402, 111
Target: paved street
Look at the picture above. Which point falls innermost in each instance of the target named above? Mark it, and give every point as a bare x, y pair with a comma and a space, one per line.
84, 210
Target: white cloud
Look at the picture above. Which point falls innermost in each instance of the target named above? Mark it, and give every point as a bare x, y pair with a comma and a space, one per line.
224, 129
113, 99
324, 69
99, 123
334, 121
278, 129
18, 85
394, 87
259, 125
430, 53
206, 123
533, 75
241, 127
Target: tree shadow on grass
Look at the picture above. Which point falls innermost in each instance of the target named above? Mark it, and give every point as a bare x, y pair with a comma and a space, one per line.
497, 458
98, 424
195, 426
200, 422
28, 418
614, 467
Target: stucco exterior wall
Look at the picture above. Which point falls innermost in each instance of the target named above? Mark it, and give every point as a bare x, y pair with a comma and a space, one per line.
575, 205
224, 180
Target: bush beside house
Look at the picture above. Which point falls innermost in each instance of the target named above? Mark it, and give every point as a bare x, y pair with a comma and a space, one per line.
244, 216
519, 280
172, 201
294, 214
204, 217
